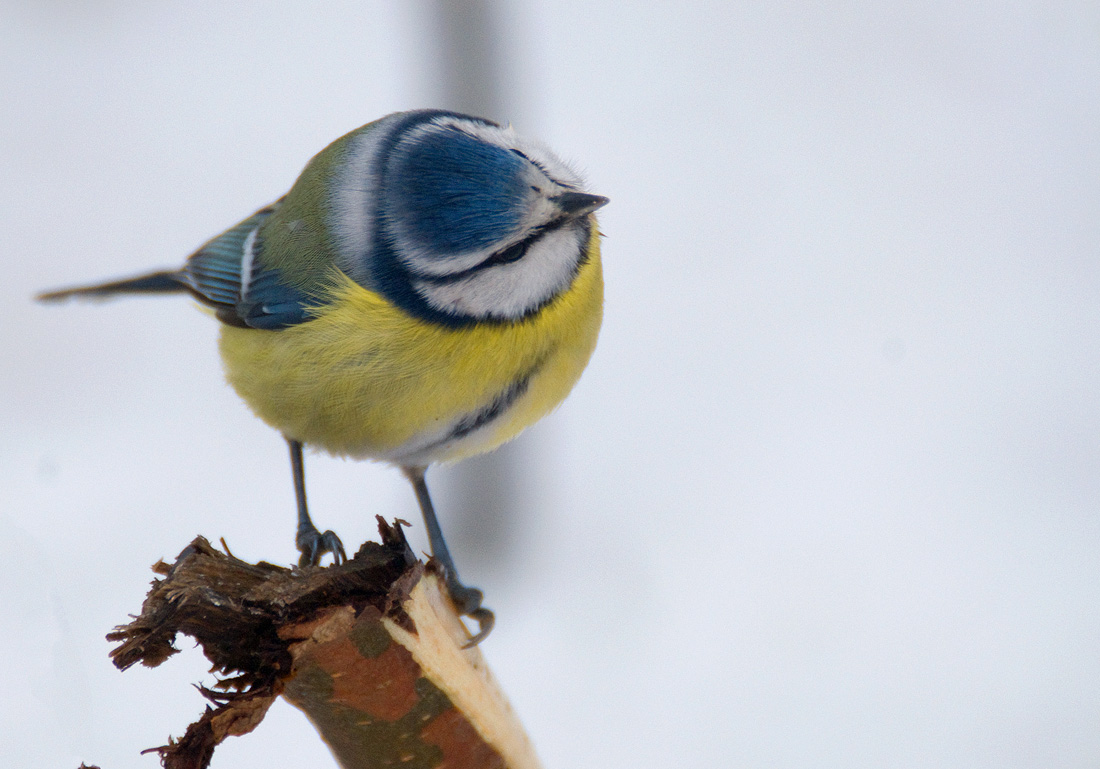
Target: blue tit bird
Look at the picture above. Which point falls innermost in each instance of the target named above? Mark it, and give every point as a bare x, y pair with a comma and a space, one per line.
428, 288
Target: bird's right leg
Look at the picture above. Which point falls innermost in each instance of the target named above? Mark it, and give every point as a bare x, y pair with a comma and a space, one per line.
466, 599
312, 544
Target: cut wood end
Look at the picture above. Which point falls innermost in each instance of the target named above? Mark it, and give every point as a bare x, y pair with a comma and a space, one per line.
438, 646
377, 690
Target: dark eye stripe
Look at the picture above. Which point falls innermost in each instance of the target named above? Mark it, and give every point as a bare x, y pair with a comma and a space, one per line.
512, 253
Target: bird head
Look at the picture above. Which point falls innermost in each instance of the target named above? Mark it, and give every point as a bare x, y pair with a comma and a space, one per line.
460, 217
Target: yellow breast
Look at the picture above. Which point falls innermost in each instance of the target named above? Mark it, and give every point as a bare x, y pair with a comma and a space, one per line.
364, 379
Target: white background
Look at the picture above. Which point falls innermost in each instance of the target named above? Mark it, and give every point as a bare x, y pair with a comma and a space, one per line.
828, 493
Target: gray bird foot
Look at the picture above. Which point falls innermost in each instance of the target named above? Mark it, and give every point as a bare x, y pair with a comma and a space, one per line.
313, 545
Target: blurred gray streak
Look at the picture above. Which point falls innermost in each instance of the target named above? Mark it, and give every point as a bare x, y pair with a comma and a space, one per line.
483, 500
469, 59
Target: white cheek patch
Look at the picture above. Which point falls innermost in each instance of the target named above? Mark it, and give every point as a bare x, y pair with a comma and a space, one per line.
510, 291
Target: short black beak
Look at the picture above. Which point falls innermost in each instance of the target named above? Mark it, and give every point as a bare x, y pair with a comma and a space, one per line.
578, 204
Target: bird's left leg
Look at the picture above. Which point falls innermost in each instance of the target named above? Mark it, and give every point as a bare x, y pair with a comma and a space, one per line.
312, 544
466, 599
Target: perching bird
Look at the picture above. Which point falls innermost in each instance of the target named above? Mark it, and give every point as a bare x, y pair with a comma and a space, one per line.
429, 287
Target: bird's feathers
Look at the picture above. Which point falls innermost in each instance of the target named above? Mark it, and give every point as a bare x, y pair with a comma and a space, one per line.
453, 194
162, 282
231, 274
365, 379
428, 287
228, 273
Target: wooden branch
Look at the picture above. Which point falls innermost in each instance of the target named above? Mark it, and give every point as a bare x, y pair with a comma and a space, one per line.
370, 650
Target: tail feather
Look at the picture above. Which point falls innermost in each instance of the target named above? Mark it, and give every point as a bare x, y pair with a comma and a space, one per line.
164, 282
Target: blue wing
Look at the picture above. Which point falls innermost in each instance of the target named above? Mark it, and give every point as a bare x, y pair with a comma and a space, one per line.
228, 273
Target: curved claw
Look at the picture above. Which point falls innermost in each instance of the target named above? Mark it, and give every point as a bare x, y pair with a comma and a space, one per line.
485, 621
313, 545
468, 602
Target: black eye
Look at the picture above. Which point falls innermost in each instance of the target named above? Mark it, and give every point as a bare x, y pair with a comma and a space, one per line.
513, 253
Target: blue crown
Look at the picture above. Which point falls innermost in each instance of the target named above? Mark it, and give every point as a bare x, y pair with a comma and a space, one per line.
455, 193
